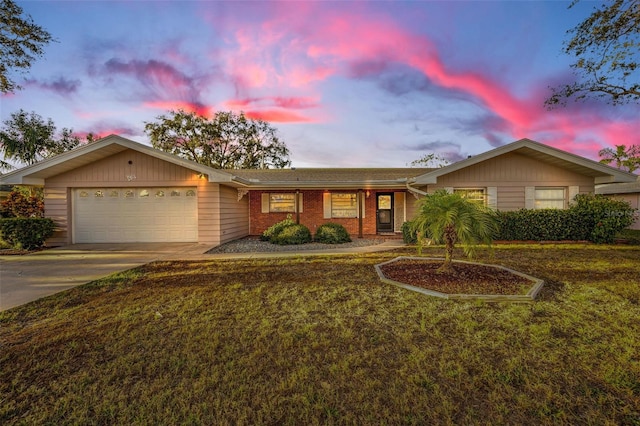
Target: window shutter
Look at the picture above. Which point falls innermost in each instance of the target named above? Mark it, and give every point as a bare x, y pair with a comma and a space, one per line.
573, 191
492, 197
326, 204
265, 202
300, 202
529, 197
449, 189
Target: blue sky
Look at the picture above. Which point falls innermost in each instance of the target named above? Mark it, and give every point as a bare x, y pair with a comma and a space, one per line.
347, 84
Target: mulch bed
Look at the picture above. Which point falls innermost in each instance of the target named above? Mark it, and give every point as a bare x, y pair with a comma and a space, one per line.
464, 279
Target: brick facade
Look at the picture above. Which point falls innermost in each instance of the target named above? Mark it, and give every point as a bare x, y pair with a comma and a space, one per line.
312, 214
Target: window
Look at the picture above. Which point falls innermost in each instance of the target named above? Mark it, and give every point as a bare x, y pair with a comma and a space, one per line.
549, 198
476, 195
282, 203
344, 205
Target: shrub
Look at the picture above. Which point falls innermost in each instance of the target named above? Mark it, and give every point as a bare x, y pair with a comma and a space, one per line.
293, 234
407, 236
20, 203
605, 216
275, 229
26, 233
595, 218
332, 233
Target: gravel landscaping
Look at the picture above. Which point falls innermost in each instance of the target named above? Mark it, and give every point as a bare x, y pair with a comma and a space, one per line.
254, 245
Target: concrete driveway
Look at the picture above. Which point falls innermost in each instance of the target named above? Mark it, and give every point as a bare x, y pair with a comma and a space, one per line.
27, 278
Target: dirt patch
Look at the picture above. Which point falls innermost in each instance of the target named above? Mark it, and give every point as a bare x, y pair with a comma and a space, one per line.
464, 279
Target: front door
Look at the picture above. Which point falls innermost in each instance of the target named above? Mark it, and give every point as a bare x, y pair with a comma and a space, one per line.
384, 212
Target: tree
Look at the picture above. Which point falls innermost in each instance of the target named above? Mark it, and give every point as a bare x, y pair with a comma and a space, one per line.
605, 46
27, 138
226, 141
431, 160
21, 42
449, 219
23, 202
627, 159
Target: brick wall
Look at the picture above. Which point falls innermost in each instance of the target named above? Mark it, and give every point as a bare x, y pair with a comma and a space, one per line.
312, 213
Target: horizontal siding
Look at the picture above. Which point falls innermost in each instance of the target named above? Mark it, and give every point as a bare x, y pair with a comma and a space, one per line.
234, 215
56, 207
510, 198
208, 218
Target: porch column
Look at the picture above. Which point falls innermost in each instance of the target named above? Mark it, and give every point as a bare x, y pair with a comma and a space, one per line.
360, 212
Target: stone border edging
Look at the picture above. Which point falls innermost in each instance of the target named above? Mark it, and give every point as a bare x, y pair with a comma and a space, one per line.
537, 284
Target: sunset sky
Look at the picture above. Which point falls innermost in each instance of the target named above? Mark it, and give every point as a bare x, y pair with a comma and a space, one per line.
347, 84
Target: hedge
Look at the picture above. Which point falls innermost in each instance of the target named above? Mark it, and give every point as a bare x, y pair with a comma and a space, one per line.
293, 234
26, 233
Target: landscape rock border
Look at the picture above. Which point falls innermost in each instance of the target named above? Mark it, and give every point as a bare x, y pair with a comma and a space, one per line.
536, 283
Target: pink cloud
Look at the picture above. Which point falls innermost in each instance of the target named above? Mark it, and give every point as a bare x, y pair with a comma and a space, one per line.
282, 55
197, 108
278, 116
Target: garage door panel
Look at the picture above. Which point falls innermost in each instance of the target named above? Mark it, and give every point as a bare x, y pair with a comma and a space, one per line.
104, 215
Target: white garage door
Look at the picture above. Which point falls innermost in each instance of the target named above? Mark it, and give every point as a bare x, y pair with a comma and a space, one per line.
125, 215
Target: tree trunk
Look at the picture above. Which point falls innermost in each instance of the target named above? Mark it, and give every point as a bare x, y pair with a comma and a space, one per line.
449, 244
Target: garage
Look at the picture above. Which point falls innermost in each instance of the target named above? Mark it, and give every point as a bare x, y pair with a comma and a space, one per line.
128, 215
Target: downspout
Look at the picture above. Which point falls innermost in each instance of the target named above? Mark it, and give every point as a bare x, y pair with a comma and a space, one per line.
415, 191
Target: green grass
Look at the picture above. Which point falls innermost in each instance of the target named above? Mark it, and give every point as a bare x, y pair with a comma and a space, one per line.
320, 340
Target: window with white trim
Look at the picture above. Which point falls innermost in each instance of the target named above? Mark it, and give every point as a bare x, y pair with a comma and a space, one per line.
549, 198
344, 205
282, 203
476, 195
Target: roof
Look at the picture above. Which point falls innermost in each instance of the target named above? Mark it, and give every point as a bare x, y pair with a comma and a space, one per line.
619, 188
600, 172
36, 174
325, 177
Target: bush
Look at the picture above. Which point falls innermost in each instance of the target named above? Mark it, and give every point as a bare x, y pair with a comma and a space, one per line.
605, 216
407, 236
20, 203
293, 234
332, 233
275, 229
595, 218
26, 233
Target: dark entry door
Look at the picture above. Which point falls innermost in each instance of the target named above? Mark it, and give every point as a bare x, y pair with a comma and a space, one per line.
384, 209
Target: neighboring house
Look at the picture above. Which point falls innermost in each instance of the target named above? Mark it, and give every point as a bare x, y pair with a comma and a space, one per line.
117, 190
629, 192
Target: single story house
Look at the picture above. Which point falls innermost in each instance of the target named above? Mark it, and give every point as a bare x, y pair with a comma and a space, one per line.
117, 190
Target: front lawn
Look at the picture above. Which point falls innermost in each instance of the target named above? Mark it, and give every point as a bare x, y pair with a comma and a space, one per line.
320, 340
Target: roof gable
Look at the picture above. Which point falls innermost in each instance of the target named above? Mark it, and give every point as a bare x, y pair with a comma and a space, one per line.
600, 172
36, 174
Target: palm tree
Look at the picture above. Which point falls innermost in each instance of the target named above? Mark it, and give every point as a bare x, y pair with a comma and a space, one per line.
624, 158
449, 219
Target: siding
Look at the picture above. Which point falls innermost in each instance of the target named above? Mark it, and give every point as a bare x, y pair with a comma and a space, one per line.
57, 207
634, 201
234, 215
511, 173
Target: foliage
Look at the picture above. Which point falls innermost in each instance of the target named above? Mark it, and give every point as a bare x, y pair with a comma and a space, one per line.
319, 340
541, 225
605, 46
293, 234
594, 218
331, 233
627, 159
22, 203
26, 233
28, 138
431, 160
21, 42
408, 236
225, 141
630, 236
603, 216
272, 231
449, 219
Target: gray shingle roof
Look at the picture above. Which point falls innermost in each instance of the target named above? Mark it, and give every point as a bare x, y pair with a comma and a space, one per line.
329, 174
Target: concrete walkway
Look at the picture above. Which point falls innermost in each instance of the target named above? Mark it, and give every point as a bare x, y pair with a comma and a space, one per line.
30, 277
